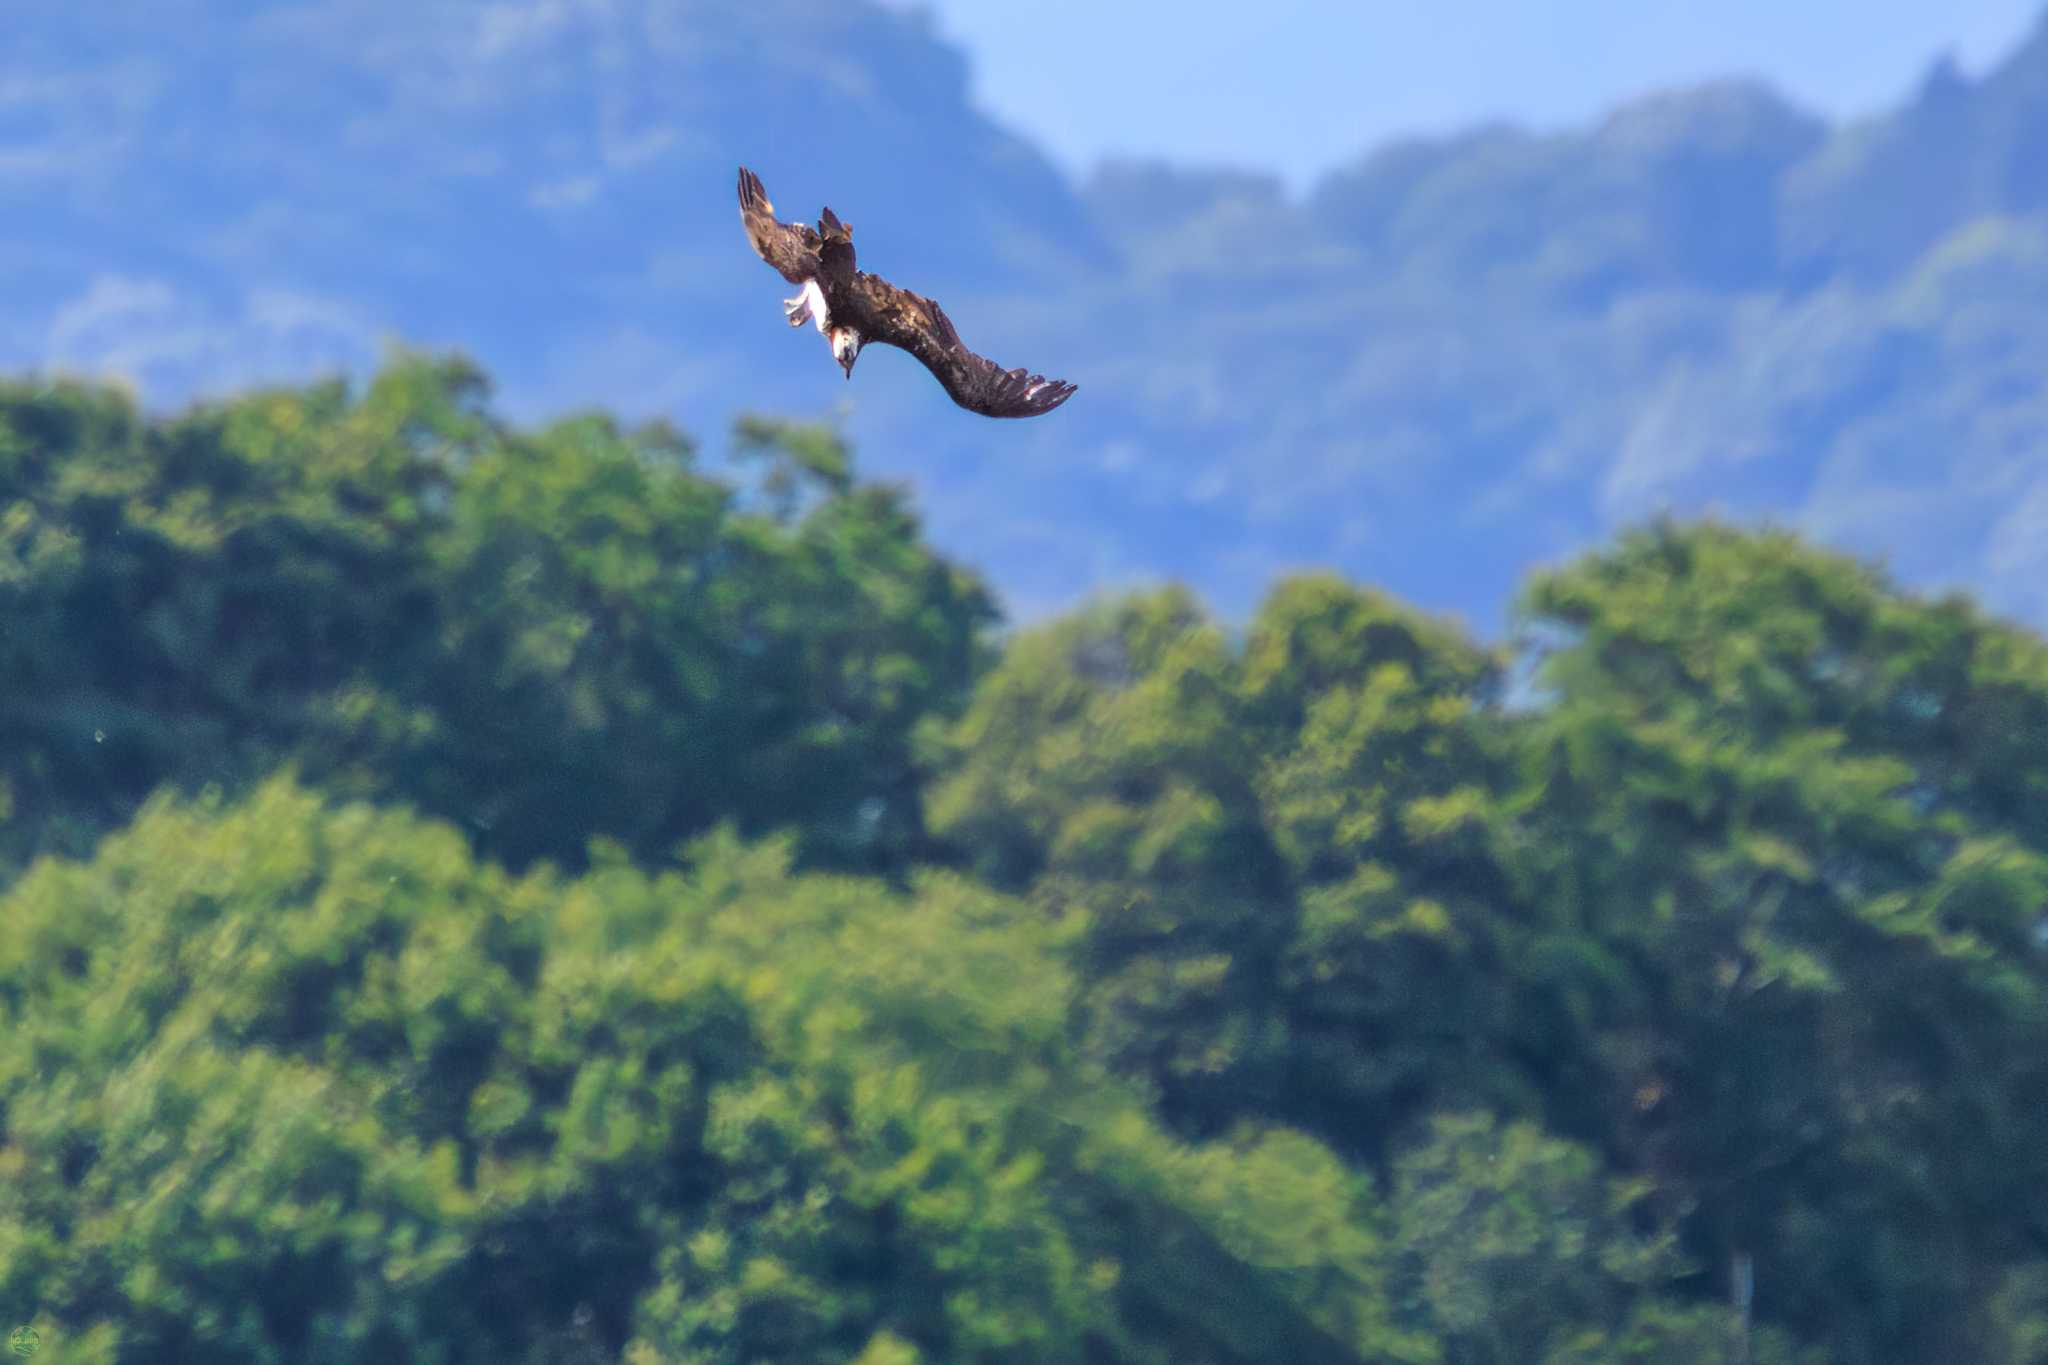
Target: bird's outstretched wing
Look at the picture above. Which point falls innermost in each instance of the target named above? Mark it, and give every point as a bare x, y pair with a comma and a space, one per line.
918, 325
790, 247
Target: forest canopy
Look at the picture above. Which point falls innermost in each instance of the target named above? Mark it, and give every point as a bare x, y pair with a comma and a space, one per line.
477, 893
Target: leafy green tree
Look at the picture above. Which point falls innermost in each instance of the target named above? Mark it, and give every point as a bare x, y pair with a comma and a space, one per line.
179, 594
543, 635
285, 1080
1286, 995
1789, 809
1283, 854
1105, 766
1517, 1246
1382, 766
1748, 897
628, 651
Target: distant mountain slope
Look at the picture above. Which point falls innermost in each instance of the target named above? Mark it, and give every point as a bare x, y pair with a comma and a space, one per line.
1888, 189
1677, 190
1453, 358
509, 177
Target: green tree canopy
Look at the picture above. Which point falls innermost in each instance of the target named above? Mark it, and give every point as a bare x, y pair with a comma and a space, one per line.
779, 967
543, 635
1282, 852
1794, 812
285, 1080
1748, 894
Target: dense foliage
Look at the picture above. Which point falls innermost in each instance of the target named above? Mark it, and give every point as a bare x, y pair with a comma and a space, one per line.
541, 635
684, 934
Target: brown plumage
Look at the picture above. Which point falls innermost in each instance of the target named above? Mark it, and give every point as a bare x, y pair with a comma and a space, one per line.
853, 308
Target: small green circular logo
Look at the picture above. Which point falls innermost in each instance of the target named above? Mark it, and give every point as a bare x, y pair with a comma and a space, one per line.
24, 1341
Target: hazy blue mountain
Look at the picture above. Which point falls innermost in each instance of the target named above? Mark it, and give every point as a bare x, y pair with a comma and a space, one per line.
1678, 190
1453, 358
527, 179
1887, 189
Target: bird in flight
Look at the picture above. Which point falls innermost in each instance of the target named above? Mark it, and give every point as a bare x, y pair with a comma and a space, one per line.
852, 308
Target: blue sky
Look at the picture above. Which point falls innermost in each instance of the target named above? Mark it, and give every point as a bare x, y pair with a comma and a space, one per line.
1298, 86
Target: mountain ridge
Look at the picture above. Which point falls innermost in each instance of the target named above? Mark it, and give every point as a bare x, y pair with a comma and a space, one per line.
1451, 359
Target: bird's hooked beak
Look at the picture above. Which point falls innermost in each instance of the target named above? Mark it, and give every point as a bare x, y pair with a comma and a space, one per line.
846, 348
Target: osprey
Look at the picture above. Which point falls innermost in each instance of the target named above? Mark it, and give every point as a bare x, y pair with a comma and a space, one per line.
853, 308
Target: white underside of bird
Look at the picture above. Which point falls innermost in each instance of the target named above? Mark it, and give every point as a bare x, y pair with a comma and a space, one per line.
808, 305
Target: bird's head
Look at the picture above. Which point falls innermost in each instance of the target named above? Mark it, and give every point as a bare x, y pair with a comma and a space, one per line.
846, 344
